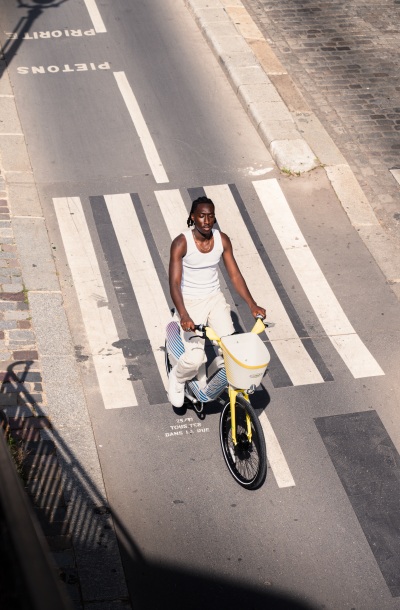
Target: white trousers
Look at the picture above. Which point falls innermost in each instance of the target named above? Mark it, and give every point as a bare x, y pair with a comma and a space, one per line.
212, 311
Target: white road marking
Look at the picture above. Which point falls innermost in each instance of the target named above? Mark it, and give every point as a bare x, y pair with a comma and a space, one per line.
173, 210
175, 215
277, 461
143, 132
95, 16
396, 173
112, 373
149, 294
326, 306
284, 339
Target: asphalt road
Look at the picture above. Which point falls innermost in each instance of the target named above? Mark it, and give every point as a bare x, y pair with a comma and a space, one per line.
324, 527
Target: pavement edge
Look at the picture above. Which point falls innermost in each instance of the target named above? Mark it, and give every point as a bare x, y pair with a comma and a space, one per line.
43, 394
294, 136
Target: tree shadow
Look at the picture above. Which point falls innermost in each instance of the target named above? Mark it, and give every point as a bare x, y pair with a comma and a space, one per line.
35, 8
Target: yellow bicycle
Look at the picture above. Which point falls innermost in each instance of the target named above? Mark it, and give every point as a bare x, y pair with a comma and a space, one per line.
238, 366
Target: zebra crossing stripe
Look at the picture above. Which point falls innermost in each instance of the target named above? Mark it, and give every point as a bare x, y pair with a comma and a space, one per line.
101, 332
175, 214
173, 210
334, 321
276, 459
149, 294
284, 339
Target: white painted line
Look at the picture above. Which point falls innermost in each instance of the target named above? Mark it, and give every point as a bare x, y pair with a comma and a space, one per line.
173, 210
149, 294
396, 173
143, 132
12, 134
326, 306
276, 459
112, 373
95, 16
284, 339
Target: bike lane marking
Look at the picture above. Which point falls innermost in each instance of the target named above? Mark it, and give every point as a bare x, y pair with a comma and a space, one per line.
143, 276
288, 346
111, 369
157, 168
333, 319
175, 214
95, 16
276, 459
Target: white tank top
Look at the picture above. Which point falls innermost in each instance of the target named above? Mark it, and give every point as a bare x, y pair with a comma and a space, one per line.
200, 270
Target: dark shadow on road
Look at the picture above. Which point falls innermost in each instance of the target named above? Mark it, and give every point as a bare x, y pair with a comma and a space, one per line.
34, 10
72, 507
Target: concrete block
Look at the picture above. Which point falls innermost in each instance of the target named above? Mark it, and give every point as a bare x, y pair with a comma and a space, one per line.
315, 134
248, 75
224, 45
258, 93
232, 61
229, 3
5, 85
209, 15
9, 122
269, 111
267, 57
200, 4
37, 263
244, 22
50, 323
217, 30
13, 154
22, 194
293, 155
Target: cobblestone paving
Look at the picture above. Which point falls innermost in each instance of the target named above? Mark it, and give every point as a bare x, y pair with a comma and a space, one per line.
345, 59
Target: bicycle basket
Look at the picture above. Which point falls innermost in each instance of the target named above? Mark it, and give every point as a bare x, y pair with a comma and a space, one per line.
246, 359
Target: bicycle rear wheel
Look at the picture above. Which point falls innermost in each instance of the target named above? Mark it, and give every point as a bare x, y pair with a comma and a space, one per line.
247, 461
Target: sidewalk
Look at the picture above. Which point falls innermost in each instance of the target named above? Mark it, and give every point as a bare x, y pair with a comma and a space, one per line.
293, 134
41, 389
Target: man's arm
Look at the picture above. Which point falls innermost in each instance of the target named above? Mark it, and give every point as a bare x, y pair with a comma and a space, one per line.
237, 278
178, 251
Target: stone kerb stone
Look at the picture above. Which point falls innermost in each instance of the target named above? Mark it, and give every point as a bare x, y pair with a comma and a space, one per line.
259, 97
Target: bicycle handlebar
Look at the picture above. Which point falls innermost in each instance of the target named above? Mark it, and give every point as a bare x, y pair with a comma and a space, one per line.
202, 327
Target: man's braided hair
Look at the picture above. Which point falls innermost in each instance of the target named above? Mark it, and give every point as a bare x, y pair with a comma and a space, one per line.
195, 203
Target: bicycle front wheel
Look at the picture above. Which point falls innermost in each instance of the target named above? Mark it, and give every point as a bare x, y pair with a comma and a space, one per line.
247, 460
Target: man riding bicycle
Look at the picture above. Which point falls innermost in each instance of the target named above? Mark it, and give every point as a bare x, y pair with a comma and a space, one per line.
195, 290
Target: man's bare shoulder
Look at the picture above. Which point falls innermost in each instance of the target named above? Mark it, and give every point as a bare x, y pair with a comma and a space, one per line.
226, 242
179, 244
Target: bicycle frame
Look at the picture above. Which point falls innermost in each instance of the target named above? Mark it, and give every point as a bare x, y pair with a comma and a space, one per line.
258, 327
244, 449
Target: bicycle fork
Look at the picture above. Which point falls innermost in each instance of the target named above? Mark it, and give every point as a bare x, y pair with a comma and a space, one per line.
232, 399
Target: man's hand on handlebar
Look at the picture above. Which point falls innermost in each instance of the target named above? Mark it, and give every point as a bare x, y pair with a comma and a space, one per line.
187, 323
258, 312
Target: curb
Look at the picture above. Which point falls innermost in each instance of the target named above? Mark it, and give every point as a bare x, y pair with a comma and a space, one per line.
294, 136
